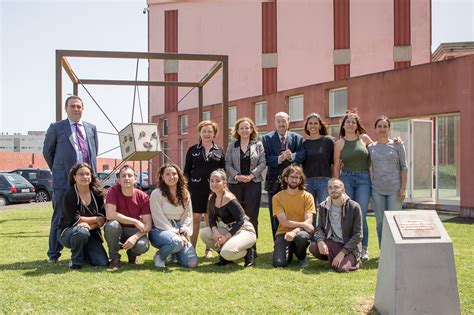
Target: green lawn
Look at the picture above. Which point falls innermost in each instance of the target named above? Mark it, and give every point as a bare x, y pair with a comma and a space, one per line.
29, 285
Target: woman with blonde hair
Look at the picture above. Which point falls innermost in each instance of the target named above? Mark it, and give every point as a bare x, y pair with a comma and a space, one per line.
235, 240
244, 163
201, 159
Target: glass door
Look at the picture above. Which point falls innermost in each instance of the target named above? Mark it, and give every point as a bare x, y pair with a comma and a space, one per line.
421, 160
448, 159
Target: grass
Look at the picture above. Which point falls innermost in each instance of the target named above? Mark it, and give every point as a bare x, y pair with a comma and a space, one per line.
29, 285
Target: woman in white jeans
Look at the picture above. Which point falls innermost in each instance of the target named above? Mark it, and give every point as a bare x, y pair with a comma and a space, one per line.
235, 240
389, 172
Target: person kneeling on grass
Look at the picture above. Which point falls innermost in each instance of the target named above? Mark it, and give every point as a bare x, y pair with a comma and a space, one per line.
338, 234
172, 214
238, 237
294, 209
83, 215
128, 212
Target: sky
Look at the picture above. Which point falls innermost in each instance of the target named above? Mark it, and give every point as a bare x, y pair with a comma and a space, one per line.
31, 31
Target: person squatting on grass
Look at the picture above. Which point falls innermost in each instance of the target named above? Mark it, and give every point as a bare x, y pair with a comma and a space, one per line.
67, 142
129, 219
294, 209
236, 239
339, 231
172, 214
282, 147
82, 217
201, 160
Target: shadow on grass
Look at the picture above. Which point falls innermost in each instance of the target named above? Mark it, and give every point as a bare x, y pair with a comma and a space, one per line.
36, 267
23, 234
460, 220
372, 263
25, 219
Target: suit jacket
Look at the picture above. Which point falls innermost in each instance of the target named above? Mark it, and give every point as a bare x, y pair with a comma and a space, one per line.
257, 160
59, 153
272, 144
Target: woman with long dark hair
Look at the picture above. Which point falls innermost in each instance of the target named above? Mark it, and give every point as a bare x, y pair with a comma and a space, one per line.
244, 163
171, 211
318, 151
83, 216
350, 151
235, 240
201, 160
389, 172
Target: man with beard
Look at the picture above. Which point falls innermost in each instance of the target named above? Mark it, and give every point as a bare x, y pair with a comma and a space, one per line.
294, 209
339, 230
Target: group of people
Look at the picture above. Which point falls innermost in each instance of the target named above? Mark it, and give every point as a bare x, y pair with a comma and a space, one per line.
318, 194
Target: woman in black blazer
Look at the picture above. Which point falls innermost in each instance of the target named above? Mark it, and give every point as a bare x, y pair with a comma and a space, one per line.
244, 163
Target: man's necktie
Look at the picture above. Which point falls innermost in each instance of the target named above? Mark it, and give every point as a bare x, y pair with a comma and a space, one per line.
283, 144
82, 144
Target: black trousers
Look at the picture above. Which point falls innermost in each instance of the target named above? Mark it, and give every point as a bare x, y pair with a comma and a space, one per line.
249, 196
283, 250
273, 219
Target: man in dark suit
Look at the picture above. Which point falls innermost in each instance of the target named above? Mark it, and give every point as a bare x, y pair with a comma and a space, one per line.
282, 147
67, 142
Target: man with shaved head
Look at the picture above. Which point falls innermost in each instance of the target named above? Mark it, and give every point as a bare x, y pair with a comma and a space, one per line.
338, 235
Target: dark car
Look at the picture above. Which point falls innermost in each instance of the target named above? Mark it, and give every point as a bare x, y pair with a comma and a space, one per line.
41, 178
14, 188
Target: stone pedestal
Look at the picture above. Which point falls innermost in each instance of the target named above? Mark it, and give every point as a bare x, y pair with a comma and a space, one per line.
416, 273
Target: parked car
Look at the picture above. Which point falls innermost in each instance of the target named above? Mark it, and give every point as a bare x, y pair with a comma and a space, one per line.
110, 181
143, 185
41, 179
143, 181
14, 188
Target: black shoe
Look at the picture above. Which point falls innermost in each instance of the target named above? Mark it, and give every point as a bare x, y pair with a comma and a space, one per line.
250, 258
73, 266
222, 262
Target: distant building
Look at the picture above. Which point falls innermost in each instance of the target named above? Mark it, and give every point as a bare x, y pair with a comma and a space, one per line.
447, 51
32, 142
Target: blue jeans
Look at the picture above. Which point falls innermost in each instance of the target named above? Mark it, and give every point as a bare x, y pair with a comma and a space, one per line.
85, 248
382, 203
170, 243
318, 187
357, 186
55, 247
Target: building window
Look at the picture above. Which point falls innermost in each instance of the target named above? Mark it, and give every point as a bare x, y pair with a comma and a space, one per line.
337, 102
206, 115
334, 131
164, 127
296, 107
232, 116
164, 152
183, 124
183, 149
261, 113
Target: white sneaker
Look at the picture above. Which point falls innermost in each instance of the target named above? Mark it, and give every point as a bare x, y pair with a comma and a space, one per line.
159, 263
364, 255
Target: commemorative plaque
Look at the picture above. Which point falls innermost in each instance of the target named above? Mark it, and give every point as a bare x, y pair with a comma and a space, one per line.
416, 226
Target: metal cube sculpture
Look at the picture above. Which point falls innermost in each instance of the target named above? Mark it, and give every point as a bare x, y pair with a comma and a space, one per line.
139, 142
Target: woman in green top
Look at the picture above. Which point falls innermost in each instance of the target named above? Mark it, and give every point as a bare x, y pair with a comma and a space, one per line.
351, 154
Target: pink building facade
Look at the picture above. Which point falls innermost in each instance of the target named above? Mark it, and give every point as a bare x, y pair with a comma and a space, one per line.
279, 45
307, 56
